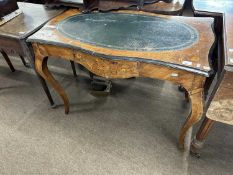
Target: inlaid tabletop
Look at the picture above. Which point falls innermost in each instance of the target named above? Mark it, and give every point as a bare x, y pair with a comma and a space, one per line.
226, 8
32, 18
126, 31
180, 42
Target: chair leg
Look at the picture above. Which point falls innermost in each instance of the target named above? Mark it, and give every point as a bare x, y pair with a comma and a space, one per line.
24, 62
198, 141
5, 56
73, 68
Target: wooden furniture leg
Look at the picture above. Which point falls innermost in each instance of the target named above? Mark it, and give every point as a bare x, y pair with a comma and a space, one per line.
5, 56
42, 69
24, 62
91, 75
195, 115
46, 89
73, 68
182, 89
31, 58
198, 141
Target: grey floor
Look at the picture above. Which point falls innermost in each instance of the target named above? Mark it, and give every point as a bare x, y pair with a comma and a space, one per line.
132, 131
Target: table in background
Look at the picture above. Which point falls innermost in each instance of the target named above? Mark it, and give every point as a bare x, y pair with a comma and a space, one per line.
14, 33
220, 105
177, 52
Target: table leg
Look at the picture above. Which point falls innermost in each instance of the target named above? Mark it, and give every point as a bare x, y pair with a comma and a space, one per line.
46, 89
29, 54
5, 56
42, 69
198, 141
73, 68
24, 62
182, 89
195, 116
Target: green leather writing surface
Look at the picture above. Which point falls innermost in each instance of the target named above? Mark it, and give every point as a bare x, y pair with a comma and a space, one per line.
124, 31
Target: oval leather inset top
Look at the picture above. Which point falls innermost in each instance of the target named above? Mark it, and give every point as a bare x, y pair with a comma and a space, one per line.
123, 31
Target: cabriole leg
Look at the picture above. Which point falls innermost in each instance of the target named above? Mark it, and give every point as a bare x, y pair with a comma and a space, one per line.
195, 116
42, 69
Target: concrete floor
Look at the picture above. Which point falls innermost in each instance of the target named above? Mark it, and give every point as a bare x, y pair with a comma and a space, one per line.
133, 131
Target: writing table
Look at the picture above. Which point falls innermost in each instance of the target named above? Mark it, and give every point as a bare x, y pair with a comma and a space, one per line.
14, 33
126, 44
220, 104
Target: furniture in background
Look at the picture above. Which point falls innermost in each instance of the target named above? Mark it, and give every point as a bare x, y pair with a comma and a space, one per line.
7, 7
183, 59
167, 7
219, 106
13, 35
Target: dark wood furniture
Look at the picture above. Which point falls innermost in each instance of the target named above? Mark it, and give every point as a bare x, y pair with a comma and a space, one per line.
14, 33
7, 6
167, 7
219, 106
122, 49
106, 5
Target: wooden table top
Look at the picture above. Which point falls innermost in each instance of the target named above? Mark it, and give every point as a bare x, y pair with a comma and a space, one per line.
226, 8
178, 42
32, 18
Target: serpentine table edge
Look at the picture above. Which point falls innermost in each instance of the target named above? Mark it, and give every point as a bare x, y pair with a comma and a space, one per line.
193, 81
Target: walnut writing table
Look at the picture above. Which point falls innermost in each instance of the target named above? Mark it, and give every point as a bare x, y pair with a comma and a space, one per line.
14, 33
127, 44
220, 105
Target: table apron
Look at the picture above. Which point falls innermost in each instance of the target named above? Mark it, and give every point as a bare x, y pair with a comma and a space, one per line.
11, 46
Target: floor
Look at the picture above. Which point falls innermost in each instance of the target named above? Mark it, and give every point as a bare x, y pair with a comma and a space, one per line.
133, 131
